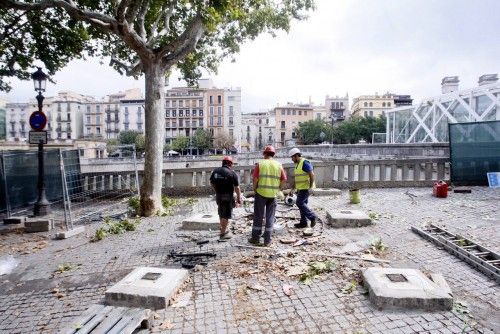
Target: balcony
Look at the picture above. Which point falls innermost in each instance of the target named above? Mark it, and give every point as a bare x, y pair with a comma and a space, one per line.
112, 130
12, 133
112, 120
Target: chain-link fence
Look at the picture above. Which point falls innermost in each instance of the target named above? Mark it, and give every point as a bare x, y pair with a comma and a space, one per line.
474, 151
81, 184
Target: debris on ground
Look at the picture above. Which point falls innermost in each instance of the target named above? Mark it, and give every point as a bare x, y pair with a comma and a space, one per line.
315, 269
350, 287
182, 299
287, 289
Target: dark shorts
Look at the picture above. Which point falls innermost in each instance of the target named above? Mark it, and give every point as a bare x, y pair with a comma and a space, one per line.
225, 209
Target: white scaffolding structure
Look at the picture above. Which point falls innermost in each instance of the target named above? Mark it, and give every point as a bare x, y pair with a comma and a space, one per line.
427, 122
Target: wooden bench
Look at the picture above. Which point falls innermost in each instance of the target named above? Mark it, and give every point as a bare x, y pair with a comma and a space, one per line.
111, 320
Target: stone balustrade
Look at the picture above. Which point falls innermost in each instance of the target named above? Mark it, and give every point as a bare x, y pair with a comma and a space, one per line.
417, 172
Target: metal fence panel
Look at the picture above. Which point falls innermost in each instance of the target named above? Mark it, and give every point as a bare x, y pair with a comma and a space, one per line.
474, 151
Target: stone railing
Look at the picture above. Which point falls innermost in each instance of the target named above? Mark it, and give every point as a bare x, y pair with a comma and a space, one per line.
335, 173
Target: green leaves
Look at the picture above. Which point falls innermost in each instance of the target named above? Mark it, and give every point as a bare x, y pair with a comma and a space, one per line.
315, 269
180, 143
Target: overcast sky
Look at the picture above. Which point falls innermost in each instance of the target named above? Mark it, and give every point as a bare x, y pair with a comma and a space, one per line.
355, 46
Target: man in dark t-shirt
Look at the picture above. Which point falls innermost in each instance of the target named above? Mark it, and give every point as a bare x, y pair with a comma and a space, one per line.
225, 182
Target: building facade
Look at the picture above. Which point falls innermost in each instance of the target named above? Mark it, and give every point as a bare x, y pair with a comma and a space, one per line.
427, 121
64, 113
257, 131
287, 120
338, 108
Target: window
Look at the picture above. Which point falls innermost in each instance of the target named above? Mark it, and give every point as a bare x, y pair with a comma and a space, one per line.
88, 119
219, 120
167, 113
282, 124
211, 111
88, 131
188, 123
366, 104
97, 108
388, 104
174, 124
211, 121
383, 104
200, 103
167, 124
230, 98
98, 130
294, 112
194, 112
231, 133
366, 113
230, 121
371, 104
98, 119
371, 113
201, 113
201, 122
181, 103
300, 112
68, 135
181, 123
139, 126
282, 136
283, 112
88, 108
383, 113
318, 116
293, 134
126, 110
267, 120
167, 104
219, 110
181, 113
260, 121
211, 99
174, 103
174, 113
231, 111
288, 112
187, 113
305, 112
219, 99
194, 123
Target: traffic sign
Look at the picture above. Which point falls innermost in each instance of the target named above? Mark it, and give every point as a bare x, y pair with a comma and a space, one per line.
37, 136
38, 120
494, 179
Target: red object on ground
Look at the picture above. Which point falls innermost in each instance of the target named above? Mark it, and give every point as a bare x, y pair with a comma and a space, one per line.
440, 189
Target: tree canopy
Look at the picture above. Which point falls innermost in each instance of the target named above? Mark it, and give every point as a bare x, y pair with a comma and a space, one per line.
180, 143
202, 139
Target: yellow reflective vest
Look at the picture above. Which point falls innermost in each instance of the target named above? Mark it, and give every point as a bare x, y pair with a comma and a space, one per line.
269, 178
301, 177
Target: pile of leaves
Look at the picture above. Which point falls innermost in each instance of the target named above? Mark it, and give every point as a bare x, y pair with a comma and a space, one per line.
316, 268
115, 227
134, 204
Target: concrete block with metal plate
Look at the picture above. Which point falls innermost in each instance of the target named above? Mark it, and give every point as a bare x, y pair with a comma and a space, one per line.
347, 218
70, 233
14, 220
146, 287
407, 288
202, 221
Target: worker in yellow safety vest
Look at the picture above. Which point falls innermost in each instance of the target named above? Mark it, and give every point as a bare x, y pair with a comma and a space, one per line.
268, 180
303, 183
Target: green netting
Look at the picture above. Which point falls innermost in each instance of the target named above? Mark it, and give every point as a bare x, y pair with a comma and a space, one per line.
474, 151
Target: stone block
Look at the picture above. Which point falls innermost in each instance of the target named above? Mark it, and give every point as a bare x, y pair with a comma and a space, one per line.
347, 218
407, 288
146, 287
325, 192
70, 233
202, 221
32, 225
14, 220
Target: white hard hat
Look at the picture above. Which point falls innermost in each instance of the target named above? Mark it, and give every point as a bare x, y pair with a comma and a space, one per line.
293, 151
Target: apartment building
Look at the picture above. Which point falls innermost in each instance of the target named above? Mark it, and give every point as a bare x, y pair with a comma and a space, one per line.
288, 118
257, 131
338, 108
232, 110
377, 105
64, 113
3, 124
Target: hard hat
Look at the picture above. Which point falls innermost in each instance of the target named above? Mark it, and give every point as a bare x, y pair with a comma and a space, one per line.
293, 151
227, 158
269, 149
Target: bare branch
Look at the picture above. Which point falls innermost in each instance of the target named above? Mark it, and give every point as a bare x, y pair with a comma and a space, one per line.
166, 14
130, 69
141, 18
185, 44
132, 10
120, 11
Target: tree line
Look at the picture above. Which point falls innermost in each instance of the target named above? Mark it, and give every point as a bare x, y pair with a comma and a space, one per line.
346, 132
201, 140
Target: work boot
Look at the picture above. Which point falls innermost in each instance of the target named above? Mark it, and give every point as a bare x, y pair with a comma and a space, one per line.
267, 243
254, 242
225, 236
313, 222
300, 225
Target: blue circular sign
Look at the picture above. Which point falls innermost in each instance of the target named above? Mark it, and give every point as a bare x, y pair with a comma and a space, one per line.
38, 120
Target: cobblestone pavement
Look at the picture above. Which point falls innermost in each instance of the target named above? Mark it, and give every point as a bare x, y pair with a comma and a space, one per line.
35, 297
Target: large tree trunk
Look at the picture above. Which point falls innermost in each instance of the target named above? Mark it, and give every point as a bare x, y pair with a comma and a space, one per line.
155, 139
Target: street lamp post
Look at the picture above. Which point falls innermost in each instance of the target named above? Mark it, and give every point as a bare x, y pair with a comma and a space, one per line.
42, 205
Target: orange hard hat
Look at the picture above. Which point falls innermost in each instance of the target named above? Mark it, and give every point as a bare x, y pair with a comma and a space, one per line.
269, 149
227, 158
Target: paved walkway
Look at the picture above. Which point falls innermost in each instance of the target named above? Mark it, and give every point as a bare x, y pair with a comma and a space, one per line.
241, 291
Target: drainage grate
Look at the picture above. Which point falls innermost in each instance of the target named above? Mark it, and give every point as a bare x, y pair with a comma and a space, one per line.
346, 212
476, 255
396, 278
